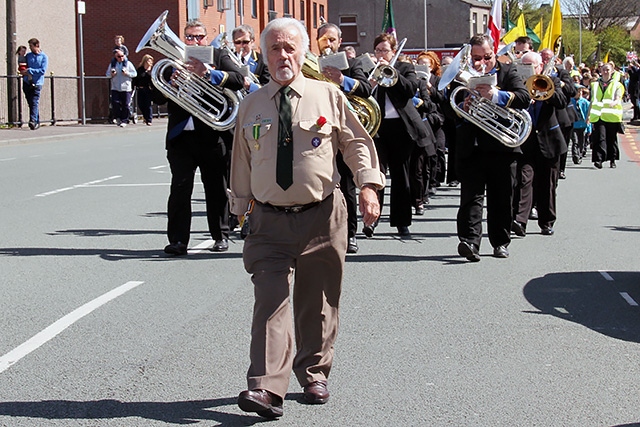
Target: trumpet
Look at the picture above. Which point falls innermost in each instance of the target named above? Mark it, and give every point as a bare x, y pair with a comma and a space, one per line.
540, 86
215, 106
386, 75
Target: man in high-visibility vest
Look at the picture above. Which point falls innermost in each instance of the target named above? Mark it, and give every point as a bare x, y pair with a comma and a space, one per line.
606, 117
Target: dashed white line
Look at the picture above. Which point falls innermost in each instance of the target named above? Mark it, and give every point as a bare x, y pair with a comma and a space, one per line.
60, 190
606, 275
628, 299
201, 247
57, 327
158, 167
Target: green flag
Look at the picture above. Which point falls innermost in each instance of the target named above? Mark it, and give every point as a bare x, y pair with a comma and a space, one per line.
388, 23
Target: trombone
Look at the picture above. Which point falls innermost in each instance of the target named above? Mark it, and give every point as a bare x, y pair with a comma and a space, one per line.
540, 86
386, 75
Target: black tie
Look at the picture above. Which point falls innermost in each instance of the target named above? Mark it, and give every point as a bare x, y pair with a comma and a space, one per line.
242, 58
284, 165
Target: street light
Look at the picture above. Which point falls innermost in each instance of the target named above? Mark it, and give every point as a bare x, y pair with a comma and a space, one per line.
426, 45
81, 11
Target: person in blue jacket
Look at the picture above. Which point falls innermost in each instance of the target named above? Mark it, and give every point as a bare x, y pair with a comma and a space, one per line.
33, 80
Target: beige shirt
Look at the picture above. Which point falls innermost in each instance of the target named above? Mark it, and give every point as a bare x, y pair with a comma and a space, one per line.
315, 176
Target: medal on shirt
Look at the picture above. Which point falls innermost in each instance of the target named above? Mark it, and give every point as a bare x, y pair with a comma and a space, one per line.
256, 135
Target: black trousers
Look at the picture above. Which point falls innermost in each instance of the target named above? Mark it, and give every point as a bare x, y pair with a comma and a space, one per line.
604, 141
188, 152
348, 188
538, 174
394, 147
493, 172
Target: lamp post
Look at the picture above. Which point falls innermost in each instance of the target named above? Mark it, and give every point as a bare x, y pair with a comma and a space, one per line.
81, 11
426, 45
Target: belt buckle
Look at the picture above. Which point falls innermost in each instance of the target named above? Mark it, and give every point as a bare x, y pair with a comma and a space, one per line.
296, 209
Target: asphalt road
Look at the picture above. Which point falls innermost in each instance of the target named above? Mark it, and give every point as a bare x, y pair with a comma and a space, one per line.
99, 328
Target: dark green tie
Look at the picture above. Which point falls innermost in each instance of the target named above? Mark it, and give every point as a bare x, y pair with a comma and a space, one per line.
284, 165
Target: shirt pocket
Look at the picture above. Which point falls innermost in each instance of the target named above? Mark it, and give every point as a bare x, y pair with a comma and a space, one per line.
318, 137
261, 148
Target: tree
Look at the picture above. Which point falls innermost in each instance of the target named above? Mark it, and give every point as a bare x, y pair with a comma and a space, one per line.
599, 15
571, 40
616, 41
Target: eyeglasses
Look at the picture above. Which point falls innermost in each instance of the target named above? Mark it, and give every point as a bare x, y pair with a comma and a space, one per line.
383, 51
518, 52
242, 42
192, 37
482, 58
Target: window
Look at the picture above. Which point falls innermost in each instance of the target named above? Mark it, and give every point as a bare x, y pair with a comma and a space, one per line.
272, 5
322, 11
240, 7
193, 9
349, 26
207, 3
224, 5
484, 23
302, 16
474, 23
254, 8
315, 15
285, 8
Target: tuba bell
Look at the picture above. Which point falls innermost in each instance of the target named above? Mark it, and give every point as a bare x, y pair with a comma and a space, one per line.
540, 86
367, 109
215, 106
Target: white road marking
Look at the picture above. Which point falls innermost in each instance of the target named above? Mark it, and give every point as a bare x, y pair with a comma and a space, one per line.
60, 325
158, 167
60, 190
628, 299
204, 246
133, 185
7, 159
606, 275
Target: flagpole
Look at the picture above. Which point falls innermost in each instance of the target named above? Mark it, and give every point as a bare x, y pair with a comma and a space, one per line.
580, 26
426, 45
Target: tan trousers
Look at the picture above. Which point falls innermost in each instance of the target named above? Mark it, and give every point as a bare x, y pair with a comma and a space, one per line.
307, 249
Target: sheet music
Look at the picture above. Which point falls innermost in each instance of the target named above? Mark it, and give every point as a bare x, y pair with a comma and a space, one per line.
202, 53
525, 71
336, 60
490, 79
366, 62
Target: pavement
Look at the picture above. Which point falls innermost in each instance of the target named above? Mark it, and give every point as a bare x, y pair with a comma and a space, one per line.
67, 130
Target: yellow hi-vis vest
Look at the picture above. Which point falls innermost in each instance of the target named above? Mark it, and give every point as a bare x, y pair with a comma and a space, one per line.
600, 111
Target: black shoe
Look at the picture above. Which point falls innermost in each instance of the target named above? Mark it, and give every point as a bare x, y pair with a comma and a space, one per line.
32, 125
262, 402
403, 231
577, 160
561, 175
36, 126
612, 164
519, 229
597, 165
501, 252
220, 246
368, 230
547, 231
533, 214
420, 209
469, 251
352, 246
454, 183
178, 249
432, 191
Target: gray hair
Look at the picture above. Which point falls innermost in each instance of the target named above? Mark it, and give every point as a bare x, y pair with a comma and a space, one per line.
245, 29
195, 23
281, 24
324, 27
534, 57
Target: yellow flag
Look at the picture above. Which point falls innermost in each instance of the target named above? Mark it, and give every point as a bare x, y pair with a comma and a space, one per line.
553, 34
606, 57
538, 29
519, 30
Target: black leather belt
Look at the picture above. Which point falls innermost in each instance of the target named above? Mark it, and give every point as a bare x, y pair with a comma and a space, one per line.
291, 209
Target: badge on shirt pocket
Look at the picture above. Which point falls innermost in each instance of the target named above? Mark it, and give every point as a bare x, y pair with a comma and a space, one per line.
316, 136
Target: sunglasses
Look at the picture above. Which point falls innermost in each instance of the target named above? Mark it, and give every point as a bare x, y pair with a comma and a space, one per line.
198, 37
518, 52
482, 58
242, 42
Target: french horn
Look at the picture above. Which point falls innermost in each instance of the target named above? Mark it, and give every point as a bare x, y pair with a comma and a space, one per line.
215, 106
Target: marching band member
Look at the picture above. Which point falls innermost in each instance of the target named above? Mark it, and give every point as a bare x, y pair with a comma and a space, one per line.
244, 41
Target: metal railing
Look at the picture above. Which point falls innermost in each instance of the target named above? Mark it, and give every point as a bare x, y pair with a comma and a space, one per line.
60, 100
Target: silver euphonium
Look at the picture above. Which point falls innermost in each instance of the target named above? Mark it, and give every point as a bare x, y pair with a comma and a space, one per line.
214, 105
509, 126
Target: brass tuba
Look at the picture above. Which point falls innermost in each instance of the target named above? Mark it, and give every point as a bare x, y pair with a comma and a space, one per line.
367, 109
214, 105
509, 126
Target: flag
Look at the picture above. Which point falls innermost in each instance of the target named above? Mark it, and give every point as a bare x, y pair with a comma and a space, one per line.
519, 30
553, 35
534, 38
538, 30
388, 23
494, 28
606, 57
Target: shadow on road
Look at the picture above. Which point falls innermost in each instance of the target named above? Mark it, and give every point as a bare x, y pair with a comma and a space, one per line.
185, 412
590, 299
116, 254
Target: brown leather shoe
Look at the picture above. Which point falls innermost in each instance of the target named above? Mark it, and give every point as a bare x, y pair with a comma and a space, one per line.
262, 402
316, 392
